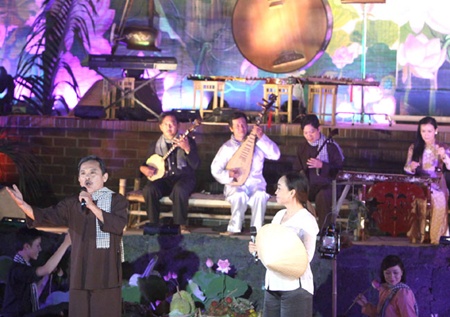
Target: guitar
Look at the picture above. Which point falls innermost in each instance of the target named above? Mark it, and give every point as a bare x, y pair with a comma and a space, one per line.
282, 36
242, 159
158, 162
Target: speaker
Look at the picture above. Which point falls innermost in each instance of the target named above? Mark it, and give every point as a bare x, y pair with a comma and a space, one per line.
221, 115
149, 98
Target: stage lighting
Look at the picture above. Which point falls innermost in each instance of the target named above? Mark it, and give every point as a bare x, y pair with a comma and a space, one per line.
330, 243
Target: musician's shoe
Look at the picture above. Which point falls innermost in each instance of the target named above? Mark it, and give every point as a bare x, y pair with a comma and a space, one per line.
184, 229
229, 233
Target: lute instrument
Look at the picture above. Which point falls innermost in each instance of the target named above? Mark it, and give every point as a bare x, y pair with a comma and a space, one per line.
158, 162
282, 36
242, 159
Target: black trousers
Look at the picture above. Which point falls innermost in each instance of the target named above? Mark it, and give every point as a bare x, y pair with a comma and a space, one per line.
178, 188
322, 196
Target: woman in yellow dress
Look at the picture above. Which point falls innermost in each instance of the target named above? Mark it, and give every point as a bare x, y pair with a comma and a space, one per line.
426, 157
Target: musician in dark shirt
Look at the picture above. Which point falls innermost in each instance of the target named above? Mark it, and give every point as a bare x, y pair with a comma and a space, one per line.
178, 181
319, 167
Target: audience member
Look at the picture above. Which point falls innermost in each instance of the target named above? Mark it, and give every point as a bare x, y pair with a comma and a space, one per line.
25, 282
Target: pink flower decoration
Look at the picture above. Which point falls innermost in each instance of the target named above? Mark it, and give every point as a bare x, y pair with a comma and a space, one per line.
223, 266
209, 263
422, 55
346, 55
376, 285
170, 275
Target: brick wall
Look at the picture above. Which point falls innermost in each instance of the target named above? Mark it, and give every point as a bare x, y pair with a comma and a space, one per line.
61, 141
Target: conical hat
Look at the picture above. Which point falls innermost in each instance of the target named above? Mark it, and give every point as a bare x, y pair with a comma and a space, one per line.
281, 250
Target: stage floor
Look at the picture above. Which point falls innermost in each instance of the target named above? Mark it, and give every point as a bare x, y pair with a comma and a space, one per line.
346, 240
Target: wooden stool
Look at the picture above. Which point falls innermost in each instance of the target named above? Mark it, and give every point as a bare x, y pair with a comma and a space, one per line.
279, 90
323, 93
203, 86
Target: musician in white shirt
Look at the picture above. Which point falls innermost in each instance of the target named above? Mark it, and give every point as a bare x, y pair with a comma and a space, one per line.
253, 191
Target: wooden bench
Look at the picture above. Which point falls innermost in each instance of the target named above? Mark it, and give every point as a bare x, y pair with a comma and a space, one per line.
196, 201
215, 205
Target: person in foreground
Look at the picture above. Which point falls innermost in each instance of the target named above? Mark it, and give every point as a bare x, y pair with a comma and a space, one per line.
178, 180
287, 296
253, 191
319, 167
396, 299
96, 218
25, 282
426, 157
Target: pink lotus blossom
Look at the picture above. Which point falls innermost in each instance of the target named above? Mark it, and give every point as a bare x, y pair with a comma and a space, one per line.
170, 276
422, 56
376, 285
209, 263
346, 55
223, 266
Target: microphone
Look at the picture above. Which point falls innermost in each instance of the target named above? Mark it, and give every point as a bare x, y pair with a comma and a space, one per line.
83, 202
253, 232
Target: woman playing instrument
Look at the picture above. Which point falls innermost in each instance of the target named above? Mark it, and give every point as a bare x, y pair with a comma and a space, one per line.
426, 157
396, 299
287, 296
320, 159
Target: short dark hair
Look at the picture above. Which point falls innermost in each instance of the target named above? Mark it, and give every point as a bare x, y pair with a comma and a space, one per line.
26, 235
167, 114
390, 261
237, 115
310, 119
92, 158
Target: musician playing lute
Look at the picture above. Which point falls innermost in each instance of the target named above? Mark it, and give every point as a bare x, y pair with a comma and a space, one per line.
253, 191
178, 180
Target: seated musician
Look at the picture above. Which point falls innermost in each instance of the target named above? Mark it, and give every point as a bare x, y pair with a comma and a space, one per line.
253, 191
426, 157
178, 181
319, 167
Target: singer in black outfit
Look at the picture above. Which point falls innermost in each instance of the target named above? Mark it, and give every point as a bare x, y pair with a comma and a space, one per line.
179, 179
320, 168
96, 233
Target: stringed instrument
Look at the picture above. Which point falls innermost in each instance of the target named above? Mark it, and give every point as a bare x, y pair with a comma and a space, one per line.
282, 36
158, 162
330, 137
243, 158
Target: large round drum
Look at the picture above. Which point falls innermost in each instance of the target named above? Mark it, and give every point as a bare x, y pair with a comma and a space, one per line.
281, 36
281, 250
